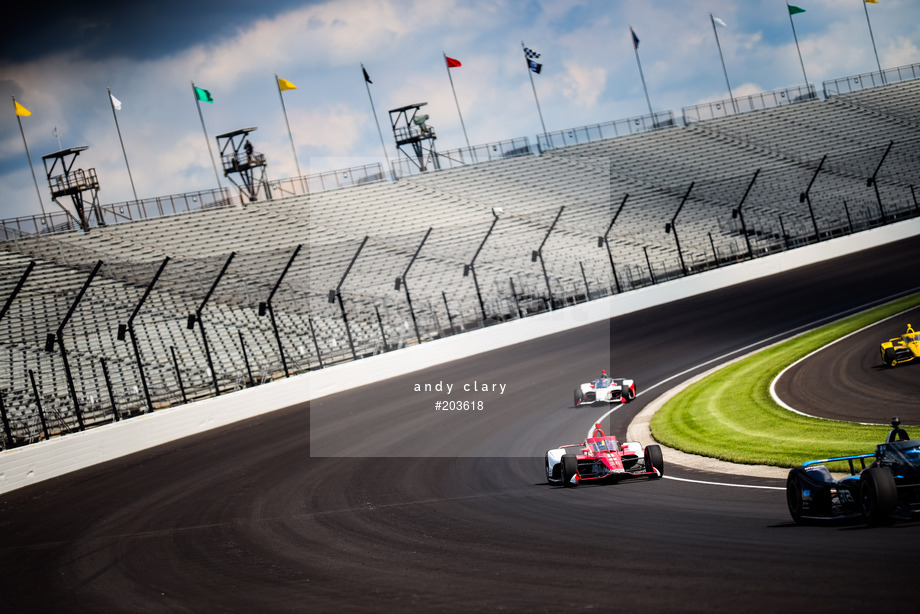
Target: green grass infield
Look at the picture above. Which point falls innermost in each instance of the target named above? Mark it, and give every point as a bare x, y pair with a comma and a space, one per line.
731, 416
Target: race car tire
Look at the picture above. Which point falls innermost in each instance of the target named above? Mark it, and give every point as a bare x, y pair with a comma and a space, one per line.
578, 396
569, 469
628, 395
878, 494
547, 471
794, 496
890, 358
654, 460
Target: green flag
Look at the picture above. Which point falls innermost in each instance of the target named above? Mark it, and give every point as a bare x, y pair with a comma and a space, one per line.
203, 95
794, 9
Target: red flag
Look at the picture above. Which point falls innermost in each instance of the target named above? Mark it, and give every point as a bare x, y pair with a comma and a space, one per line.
452, 63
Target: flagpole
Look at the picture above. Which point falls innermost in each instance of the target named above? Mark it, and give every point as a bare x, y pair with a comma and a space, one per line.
207, 141
367, 85
286, 123
462, 125
802, 62
123, 152
641, 74
29, 158
872, 36
534, 88
537, 100
721, 57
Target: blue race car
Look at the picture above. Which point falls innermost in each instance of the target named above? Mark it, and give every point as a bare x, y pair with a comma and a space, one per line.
887, 489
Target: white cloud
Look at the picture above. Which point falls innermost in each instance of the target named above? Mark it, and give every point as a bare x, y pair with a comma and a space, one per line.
583, 84
900, 52
329, 131
589, 76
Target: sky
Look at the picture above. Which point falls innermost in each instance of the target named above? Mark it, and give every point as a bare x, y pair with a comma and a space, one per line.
57, 59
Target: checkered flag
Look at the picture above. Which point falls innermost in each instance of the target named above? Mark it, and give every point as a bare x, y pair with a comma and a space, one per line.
530, 57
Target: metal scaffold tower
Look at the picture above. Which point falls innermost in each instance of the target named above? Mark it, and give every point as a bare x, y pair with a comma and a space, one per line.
80, 185
238, 158
410, 128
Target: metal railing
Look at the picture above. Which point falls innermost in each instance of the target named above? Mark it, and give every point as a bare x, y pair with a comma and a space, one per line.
147, 208
465, 156
745, 104
174, 204
606, 130
74, 181
524, 297
855, 83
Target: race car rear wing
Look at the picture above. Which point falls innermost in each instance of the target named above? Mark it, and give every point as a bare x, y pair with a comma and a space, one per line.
860, 457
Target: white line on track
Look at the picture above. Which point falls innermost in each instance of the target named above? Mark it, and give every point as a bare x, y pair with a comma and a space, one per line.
669, 477
788, 333
776, 379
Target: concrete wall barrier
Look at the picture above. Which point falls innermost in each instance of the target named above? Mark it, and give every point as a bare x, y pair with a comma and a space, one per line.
27, 465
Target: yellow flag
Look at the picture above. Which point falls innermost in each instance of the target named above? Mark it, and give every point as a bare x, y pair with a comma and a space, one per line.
21, 110
284, 84
871, 1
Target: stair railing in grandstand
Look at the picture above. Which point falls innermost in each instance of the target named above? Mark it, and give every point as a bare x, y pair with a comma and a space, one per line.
337, 295
450, 317
196, 318
402, 281
605, 240
471, 267
873, 182
651, 273
58, 337
319, 355
108, 387
38, 403
806, 196
736, 212
538, 254
266, 307
383, 334
7, 430
671, 226
175, 360
129, 329
250, 381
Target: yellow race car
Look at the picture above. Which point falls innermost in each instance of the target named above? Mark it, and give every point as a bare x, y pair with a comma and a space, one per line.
901, 349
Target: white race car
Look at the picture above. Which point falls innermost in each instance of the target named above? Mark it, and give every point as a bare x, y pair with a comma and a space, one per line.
606, 390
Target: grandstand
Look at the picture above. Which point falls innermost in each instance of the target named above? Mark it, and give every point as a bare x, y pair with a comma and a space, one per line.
232, 343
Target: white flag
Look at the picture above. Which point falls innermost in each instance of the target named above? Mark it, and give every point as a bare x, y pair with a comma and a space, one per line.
115, 101
720, 22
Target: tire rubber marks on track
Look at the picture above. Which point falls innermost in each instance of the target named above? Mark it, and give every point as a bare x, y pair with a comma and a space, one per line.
784, 405
787, 334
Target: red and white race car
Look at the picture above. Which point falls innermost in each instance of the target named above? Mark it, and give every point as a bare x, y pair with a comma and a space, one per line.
606, 389
601, 457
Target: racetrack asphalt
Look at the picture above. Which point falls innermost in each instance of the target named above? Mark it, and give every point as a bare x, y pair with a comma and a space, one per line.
450, 511
848, 380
